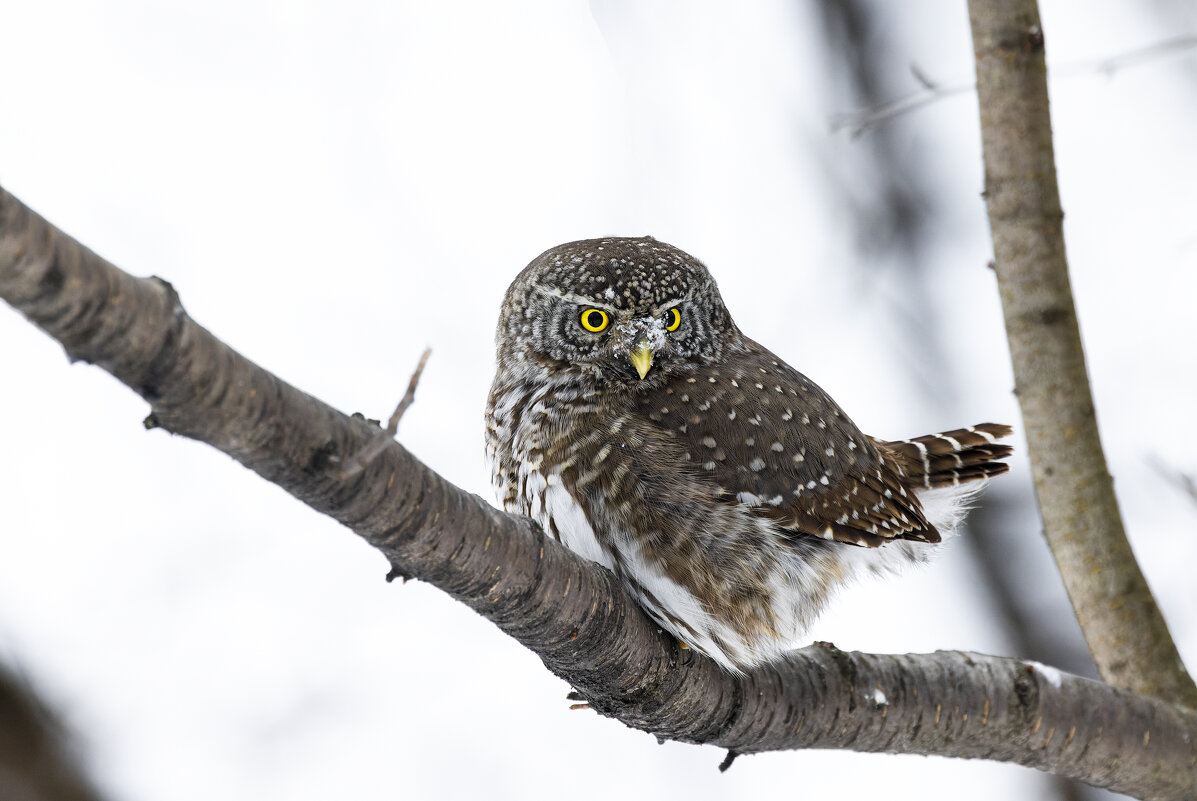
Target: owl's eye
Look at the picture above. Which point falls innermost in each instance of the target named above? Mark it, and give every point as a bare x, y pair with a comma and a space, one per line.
594, 320
673, 319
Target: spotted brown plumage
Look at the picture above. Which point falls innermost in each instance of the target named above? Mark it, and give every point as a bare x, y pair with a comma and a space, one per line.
632, 419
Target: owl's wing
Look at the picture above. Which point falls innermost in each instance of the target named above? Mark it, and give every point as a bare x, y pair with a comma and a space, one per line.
767, 437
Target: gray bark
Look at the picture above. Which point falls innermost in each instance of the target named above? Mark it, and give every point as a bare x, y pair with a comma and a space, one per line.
569, 611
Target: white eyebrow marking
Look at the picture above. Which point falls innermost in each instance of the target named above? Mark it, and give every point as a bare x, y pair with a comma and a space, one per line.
666, 307
570, 297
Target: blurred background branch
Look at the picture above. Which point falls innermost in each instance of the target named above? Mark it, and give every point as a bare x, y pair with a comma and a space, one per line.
38, 760
882, 111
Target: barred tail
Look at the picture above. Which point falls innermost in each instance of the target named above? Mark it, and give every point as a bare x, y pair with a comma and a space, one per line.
953, 457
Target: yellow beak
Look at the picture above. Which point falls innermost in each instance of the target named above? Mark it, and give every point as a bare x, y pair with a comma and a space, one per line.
642, 359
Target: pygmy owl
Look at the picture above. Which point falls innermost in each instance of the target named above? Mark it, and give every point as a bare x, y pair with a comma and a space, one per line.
632, 420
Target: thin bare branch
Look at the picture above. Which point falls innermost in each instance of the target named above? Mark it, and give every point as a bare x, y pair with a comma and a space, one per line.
858, 122
1136, 57
410, 395
1185, 482
357, 462
570, 611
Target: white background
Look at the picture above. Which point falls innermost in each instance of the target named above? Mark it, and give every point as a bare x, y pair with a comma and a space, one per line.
331, 187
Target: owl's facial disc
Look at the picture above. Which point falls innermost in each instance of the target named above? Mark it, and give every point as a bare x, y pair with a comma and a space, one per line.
628, 313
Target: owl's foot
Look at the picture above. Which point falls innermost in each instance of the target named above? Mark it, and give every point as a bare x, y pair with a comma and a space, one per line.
687, 653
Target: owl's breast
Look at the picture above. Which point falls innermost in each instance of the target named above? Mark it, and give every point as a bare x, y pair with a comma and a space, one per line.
550, 449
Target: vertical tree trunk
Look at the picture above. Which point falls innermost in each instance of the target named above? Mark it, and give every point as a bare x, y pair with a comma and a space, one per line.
1123, 626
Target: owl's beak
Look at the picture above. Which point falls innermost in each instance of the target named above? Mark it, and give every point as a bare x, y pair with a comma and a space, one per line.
642, 359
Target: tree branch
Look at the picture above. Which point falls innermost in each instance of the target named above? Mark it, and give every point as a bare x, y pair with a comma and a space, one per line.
571, 612
1123, 626
37, 758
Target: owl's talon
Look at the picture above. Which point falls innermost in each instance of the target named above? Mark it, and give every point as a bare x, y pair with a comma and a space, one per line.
574, 695
688, 654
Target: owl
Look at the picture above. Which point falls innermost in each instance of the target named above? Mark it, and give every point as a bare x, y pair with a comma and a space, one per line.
631, 419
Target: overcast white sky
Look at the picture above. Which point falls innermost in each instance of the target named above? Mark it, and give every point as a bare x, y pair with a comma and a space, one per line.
333, 186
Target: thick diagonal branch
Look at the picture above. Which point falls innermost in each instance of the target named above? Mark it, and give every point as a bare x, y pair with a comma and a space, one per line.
571, 612
1123, 626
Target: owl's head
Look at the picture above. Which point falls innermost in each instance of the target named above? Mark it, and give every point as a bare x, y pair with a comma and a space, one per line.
632, 311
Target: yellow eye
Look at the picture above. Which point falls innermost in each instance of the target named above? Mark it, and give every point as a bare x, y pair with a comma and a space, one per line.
595, 320
673, 319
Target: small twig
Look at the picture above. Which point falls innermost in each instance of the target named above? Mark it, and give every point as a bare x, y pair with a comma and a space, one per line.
358, 462
728, 760
858, 122
1185, 482
923, 78
410, 395
1131, 58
